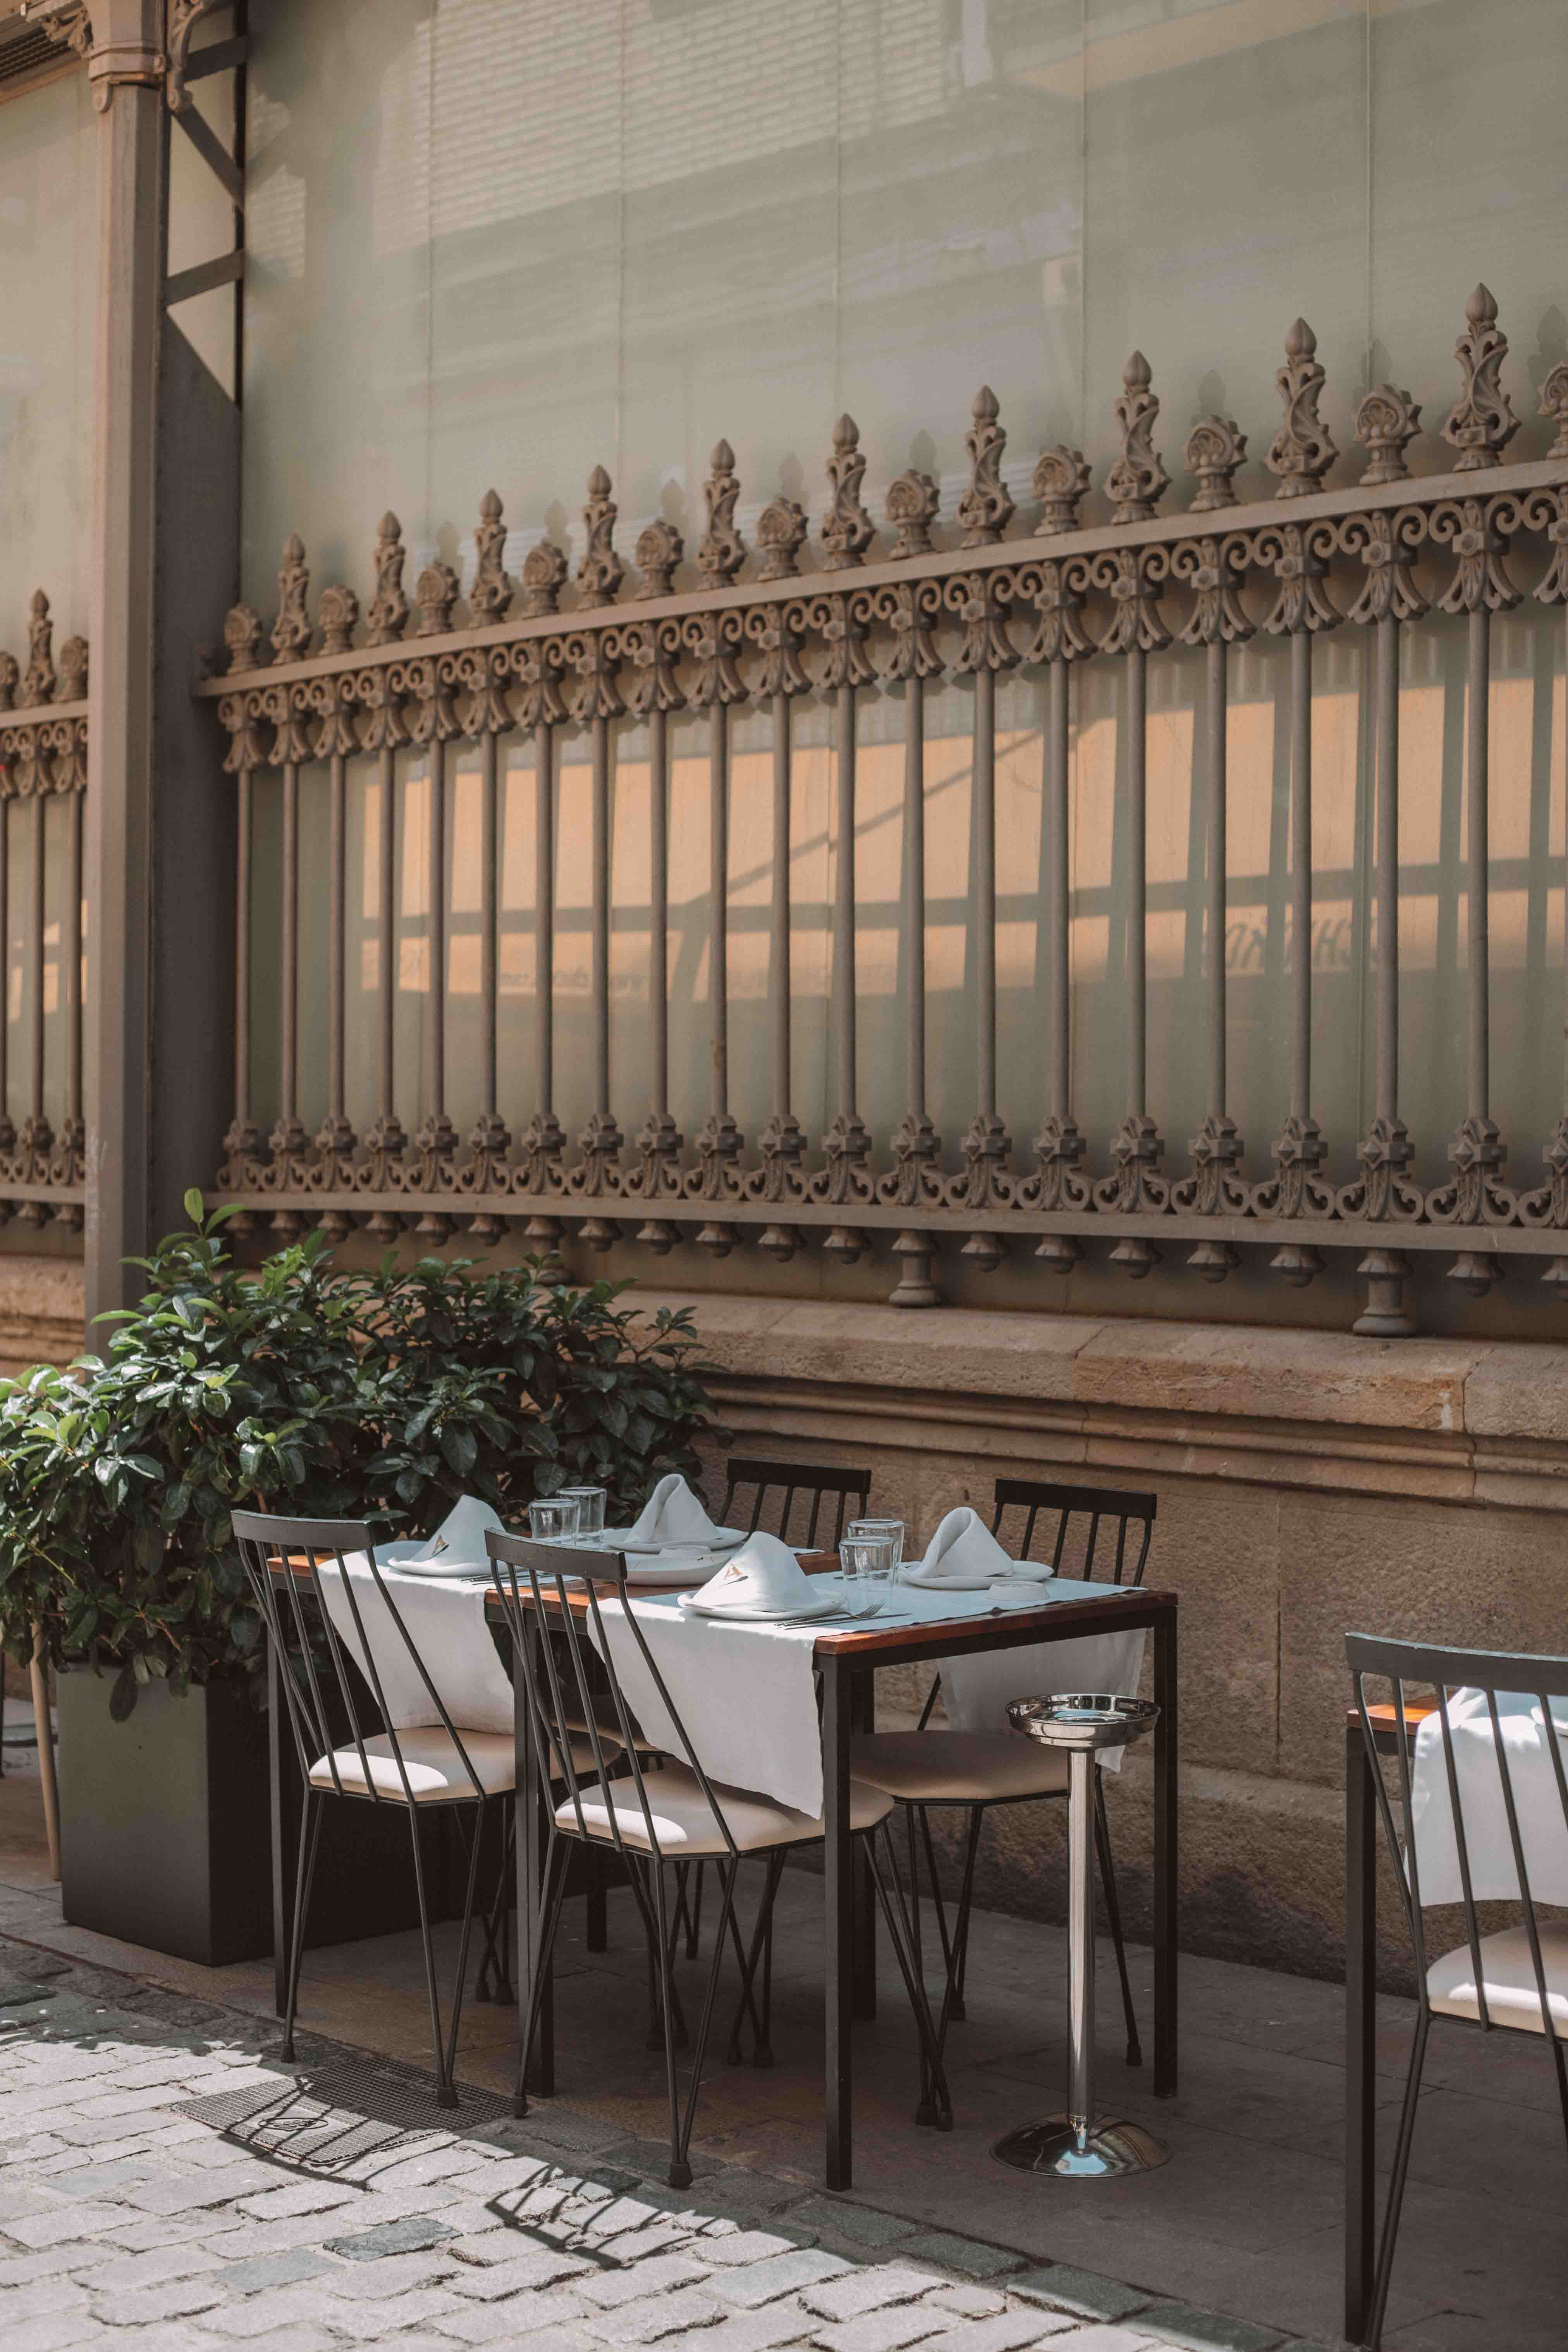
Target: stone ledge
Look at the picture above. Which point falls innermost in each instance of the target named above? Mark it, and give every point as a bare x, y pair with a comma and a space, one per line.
1449, 1420
40, 1312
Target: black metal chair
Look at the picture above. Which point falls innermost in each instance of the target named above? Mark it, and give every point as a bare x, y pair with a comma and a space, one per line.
924, 1770
802, 1479
437, 1764
1513, 1980
657, 1815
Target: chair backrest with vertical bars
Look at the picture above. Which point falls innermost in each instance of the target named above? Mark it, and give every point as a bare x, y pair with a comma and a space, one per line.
318, 1670
1399, 1683
570, 1678
817, 1481
1105, 1507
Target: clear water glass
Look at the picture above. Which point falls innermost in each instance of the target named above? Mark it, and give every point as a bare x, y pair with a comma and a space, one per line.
891, 1528
553, 1521
590, 1502
866, 1571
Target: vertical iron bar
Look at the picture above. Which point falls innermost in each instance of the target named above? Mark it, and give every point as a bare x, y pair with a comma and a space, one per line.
601, 890
1218, 684
914, 899
1476, 706
291, 988
544, 913
659, 910
387, 910
1059, 1032
337, 917
985, 886
780, 979
241, 962
37, 953
73, 953
718, 889
844, 908
1300, 874
436, 1002
1137, 879
1387, 862
490, 862
7, 1131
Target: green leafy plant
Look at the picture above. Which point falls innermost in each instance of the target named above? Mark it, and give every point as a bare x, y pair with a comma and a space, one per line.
302, 1389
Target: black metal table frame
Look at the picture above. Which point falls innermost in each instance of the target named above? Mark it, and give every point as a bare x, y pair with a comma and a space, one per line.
847, 1662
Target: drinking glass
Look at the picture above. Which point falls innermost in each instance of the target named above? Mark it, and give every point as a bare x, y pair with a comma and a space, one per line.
554, 1520
893, 1530
865, 1566
590, 1502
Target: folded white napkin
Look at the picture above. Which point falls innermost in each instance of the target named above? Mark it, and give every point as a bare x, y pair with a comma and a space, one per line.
963, 1552
763, 1574
458, 1543
671, 1515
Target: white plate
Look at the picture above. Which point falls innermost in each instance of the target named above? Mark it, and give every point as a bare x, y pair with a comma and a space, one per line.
968, 1583
831, 1605
722, 1539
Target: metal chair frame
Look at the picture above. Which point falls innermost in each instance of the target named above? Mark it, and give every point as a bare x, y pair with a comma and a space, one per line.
1098, 1505
314, 1673
817, 1480
531, 1579
1414, 1667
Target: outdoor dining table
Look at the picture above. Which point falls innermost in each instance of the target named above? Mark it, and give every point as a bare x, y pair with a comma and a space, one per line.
846, 1658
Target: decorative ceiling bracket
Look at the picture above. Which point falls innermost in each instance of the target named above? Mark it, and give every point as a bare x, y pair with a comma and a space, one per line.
185, 15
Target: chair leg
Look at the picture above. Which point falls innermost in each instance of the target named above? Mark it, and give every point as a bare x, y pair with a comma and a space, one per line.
1373, 2337
935, 2106
1561, 2067
540, 1978
445, 2097
463, 1941
761, 1948
960, 1926
310, 1833
694, 1915
596, 1924
680, 2165
1113, 1912
493, 1981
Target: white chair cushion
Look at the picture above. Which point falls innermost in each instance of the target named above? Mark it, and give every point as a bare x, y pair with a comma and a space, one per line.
958, 1767
683, 1821
436, 1772
1507, 1975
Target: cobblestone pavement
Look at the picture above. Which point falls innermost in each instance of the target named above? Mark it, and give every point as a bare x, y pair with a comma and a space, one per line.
123, 2220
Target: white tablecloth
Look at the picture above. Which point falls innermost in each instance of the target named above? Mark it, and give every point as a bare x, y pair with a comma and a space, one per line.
1487, 1845
746, 1694
445, 1620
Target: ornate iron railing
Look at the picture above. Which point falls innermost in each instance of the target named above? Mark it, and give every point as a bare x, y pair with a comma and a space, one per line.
1376, 556
43, 754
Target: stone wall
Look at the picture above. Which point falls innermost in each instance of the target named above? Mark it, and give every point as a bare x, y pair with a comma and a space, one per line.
1309, 1484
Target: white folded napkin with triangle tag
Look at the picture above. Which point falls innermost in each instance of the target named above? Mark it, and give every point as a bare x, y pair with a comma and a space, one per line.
764, 1574
965, 1555
671, 1515
457, 1545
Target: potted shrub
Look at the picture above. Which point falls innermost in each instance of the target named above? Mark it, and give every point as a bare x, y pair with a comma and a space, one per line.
296, 1387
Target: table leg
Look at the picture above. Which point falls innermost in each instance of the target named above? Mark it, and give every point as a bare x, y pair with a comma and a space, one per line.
538, 2064
1361, 2021
1165, 1856
275, 1814
865, 1990
838, 1870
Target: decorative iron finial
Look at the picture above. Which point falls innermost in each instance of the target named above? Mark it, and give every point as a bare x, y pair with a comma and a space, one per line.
388, 615
659, 549
72, 685
1137, 481
292, 629
1482, 423
243, 630
543, 577
781, 535
848, 529
1386, 421
1554, 404
38, 677
601, 572
1303, 449
1216, 447
1062, 480
912, 502
985, 508
435, 594
10, 678
720, 551
489, 598
338, 614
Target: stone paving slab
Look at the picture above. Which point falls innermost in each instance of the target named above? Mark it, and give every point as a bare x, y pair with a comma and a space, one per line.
123, 2222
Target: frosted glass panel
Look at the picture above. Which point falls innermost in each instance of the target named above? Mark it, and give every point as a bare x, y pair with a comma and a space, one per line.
48, 247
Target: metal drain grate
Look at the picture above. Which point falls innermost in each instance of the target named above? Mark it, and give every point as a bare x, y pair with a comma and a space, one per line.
328, 2119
